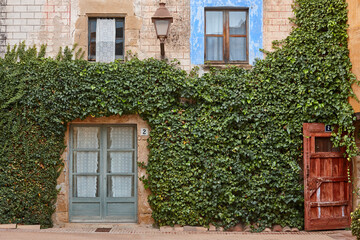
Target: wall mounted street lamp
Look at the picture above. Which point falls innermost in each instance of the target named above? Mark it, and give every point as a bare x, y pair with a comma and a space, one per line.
162, 20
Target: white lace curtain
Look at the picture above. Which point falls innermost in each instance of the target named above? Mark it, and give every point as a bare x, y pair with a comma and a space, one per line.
105, 40
87, 162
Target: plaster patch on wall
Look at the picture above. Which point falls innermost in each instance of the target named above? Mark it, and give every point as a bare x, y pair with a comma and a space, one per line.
198, 20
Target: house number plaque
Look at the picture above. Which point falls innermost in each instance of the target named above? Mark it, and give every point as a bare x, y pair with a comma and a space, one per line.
328, 128
144, 132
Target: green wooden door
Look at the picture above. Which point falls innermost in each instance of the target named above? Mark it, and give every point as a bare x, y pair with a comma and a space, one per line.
103, 176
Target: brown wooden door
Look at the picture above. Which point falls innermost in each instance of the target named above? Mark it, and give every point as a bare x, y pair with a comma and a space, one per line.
327, 191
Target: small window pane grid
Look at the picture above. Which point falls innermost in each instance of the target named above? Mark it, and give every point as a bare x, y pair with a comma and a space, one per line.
119, 38
103, 169
226, 35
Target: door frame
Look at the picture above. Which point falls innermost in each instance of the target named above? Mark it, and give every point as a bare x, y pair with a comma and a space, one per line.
102, 160
310, 132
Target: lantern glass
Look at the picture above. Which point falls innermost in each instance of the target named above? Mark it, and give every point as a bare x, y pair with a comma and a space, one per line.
162, 27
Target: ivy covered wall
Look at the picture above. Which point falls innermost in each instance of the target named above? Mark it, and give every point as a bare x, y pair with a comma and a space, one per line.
231, 154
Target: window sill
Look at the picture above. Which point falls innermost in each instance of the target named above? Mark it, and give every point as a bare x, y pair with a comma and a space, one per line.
209, 65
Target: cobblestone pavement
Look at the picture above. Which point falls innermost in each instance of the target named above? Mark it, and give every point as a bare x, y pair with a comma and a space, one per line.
136, 232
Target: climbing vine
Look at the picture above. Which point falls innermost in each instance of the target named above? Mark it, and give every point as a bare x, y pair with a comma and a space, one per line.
231, 153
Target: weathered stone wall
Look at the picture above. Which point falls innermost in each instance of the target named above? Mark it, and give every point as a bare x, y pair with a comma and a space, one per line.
61, 215
2, 27
276, 21
39, 22
177, 45
60, 23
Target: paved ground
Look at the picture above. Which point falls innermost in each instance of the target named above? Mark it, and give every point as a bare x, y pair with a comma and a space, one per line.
141, 233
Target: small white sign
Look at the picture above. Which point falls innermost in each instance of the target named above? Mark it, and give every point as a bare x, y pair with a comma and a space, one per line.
328, 128
144, 132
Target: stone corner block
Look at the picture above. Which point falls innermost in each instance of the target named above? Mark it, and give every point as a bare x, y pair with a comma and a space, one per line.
201, 229
35, 227
7, 226
195, 229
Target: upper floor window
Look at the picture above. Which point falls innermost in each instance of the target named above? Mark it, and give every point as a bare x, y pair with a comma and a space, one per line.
106, 39
226, 35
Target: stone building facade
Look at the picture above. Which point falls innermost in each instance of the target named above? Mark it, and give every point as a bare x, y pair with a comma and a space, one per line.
60, 23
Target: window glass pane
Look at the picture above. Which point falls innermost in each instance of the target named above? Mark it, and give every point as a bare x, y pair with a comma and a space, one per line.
86, 137
119, 49
86, 162
237, 23
120, 162
214, 48
86, 186
120, 186
92, 50
237, 49
92, 39
324, 144
214, 22
119, 28
120, 137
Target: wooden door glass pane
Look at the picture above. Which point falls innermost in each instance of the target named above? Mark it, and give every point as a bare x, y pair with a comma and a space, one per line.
86, 137
86, 186
324, 144
237, 23
120, 137
214, 48
120, 186
237, 49
86, 162
214, 22
120, 162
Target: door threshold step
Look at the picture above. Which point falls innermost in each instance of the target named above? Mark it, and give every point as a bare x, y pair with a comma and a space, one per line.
100, 225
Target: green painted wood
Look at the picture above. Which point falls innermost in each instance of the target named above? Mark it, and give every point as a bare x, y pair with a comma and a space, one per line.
105, 207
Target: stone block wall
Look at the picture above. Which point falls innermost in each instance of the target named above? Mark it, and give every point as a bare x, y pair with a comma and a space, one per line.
2, 27
276, 21
177, 46
39, 22
60, 23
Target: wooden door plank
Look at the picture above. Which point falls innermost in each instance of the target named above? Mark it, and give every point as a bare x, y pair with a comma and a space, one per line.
329, 204
318, 191
327, 155
306, 158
